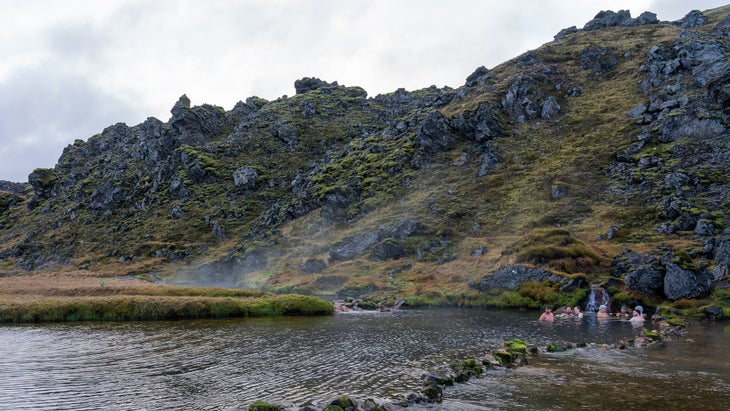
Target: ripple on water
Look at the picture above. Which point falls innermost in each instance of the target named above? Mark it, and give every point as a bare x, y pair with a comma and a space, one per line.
223, 364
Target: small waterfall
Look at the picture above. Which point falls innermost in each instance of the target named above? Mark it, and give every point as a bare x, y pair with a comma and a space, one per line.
596, 298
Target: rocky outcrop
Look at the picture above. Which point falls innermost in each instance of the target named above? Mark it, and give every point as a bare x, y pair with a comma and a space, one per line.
609, 18
661, 277
694, 18
311, 83
683, 85
510, 277
681, 283
434, 133
479, 125
385, 243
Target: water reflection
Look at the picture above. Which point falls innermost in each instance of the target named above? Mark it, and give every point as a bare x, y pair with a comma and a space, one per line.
223, 364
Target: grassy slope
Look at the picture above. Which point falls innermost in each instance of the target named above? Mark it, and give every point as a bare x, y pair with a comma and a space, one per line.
502, 212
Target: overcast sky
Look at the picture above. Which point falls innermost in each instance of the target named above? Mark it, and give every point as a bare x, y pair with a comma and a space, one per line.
68, 69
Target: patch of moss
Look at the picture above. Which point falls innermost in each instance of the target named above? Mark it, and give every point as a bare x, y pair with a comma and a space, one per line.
263, 406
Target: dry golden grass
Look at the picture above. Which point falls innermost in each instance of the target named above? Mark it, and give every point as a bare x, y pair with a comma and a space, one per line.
83, 295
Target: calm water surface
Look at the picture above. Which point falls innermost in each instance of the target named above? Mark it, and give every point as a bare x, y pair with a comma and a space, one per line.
227, 364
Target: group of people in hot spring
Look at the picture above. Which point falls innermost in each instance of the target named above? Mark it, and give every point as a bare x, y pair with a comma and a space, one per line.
637, 316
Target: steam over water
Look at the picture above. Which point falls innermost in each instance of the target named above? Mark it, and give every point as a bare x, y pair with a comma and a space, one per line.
227, 364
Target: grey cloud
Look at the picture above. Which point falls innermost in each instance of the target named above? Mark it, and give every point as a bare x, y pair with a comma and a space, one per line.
43, 110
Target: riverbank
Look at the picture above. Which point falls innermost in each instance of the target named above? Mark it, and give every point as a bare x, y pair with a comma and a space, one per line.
83, 296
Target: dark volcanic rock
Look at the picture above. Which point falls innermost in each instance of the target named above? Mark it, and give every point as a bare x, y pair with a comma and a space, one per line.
641, 272
722, 259
597, 59
680, 283
434, 134
478, 77
311, 83
314, 265
608, 18
350, 247
694, 18
564, 32
478, 125
510, 277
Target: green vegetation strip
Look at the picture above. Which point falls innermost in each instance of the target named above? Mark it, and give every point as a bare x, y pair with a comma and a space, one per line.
145, 308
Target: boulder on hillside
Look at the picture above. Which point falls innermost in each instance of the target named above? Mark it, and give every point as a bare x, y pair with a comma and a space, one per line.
608, 18
681, 283
661, 277
489, 163
313, 266
479, 124
694, 18
550, 108
336, 205
641, 272
478, 77
511, 276
311, 83
245, 178
434, 133
195, 125
351, 247
722, 259
565, 32
646, 17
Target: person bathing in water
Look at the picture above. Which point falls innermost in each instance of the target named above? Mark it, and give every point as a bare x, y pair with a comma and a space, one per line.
602, 313
547, 316
638, 315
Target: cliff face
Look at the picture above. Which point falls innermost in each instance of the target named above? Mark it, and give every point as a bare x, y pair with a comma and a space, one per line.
599, 158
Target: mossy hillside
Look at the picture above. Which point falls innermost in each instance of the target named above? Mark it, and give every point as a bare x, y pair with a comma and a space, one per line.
549, 202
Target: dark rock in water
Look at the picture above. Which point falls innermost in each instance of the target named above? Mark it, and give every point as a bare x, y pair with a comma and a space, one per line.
433, 392
346, 403
713, 311
510, 277
438, 379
